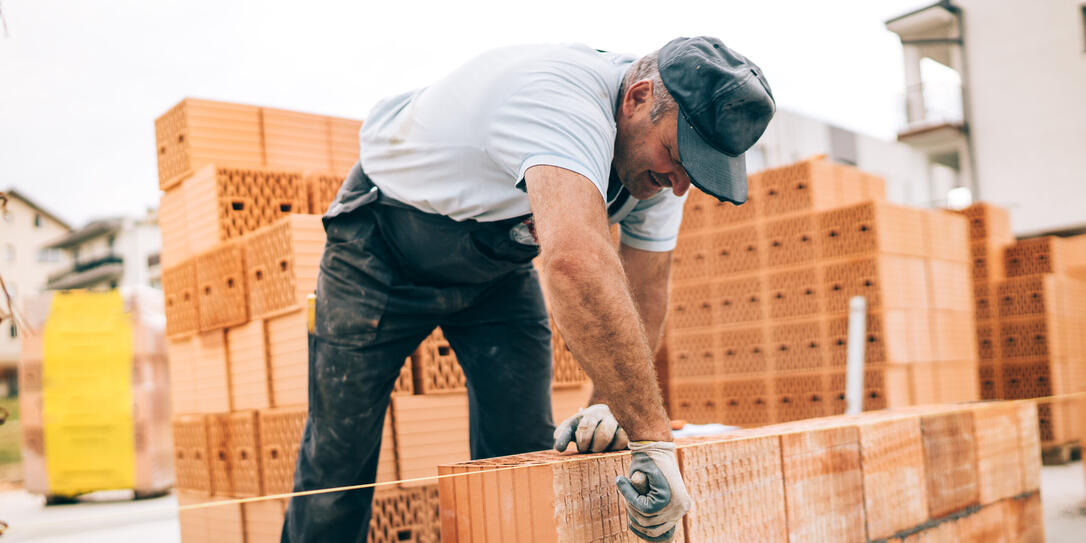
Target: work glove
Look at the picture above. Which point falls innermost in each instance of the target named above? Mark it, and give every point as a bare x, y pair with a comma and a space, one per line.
654, 510
595, 430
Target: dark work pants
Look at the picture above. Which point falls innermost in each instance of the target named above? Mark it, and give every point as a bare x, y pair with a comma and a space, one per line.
388, 276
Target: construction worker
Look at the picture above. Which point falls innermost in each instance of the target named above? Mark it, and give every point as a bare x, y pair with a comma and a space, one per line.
522, 151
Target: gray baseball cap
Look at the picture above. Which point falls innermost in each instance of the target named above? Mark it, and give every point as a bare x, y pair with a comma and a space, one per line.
725, 105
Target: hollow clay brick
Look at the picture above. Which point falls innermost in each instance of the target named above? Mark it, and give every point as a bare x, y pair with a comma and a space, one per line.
566, 402
435, 368
179, 289
791, 241
181, 355
948, 236
814, 184
264, 520
296, 140
873, 228
572, 498
195, 133
998, 451
212, 390
430, 429
1029, 446
344, 143
288, 358
988, 222
224, 203
173, 224
190, 442
823, 484
247, 353
892, 456
737, 488
690, 259
321, 188
221, 288
243, 441
950, 461
283, 261
218, 454
1024, 519
734, 250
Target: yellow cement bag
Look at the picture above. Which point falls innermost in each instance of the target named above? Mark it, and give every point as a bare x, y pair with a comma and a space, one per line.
87, 393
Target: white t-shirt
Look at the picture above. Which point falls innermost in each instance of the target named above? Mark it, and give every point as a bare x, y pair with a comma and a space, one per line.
460, 147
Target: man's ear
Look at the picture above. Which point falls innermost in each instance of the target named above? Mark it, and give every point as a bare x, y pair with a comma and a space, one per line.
638, 95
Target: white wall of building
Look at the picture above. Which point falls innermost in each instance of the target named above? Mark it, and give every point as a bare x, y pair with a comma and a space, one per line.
1026, 76
139, 239
791, 137
23, 264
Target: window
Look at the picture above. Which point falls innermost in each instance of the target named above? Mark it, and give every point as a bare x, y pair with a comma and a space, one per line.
9, 253
7, 216
1083, 9
37, 220
12, 330
109, 242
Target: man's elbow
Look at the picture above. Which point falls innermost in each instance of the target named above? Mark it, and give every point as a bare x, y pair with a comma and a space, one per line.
572, 267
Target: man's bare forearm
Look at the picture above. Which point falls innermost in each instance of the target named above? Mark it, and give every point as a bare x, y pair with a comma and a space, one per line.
600, 322
648, 275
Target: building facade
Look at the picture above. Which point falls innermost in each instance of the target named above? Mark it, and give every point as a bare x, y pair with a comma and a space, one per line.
1014, 128
110, 253
25, 264
911, 178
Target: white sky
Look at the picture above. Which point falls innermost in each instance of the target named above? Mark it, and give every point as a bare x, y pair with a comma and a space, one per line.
81, 82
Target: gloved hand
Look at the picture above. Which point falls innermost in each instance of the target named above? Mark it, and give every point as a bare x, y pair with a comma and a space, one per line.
654, 514
595, 430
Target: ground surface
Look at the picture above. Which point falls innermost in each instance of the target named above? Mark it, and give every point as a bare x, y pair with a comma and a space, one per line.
9, 433
110, 517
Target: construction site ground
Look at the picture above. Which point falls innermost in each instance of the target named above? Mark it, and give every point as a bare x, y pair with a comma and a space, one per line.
110, 516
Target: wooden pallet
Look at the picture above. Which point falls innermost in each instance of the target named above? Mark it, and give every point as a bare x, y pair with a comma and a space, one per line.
1058, 455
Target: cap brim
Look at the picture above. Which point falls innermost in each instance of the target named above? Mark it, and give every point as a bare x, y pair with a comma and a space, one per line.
715, 173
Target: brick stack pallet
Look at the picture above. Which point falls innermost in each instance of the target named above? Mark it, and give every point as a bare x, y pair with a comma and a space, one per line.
242, 238
1031, 343
757, 330
934, 473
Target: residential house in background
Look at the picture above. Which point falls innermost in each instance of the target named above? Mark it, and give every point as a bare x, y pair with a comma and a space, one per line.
994, 91
25, 263
110, 253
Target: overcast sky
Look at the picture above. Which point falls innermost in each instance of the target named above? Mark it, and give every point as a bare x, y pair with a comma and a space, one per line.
81, 82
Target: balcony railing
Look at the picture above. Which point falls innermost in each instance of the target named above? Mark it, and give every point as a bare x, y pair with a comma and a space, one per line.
86, 265
932, 104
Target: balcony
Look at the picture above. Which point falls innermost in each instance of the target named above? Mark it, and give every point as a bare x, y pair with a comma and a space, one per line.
88, 273
933, 114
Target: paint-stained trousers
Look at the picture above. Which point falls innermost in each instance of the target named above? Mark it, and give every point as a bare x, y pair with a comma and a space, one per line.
388, 276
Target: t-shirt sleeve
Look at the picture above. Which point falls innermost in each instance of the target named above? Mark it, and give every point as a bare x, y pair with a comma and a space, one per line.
653, 224
552, 121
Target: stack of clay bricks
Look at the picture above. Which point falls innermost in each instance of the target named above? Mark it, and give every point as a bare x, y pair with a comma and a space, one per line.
964, 473
989, 234
1030, 320
758, 326
244, 188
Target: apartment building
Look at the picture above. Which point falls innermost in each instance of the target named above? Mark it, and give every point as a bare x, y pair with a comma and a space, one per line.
994, 91
25, 264
110, 253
